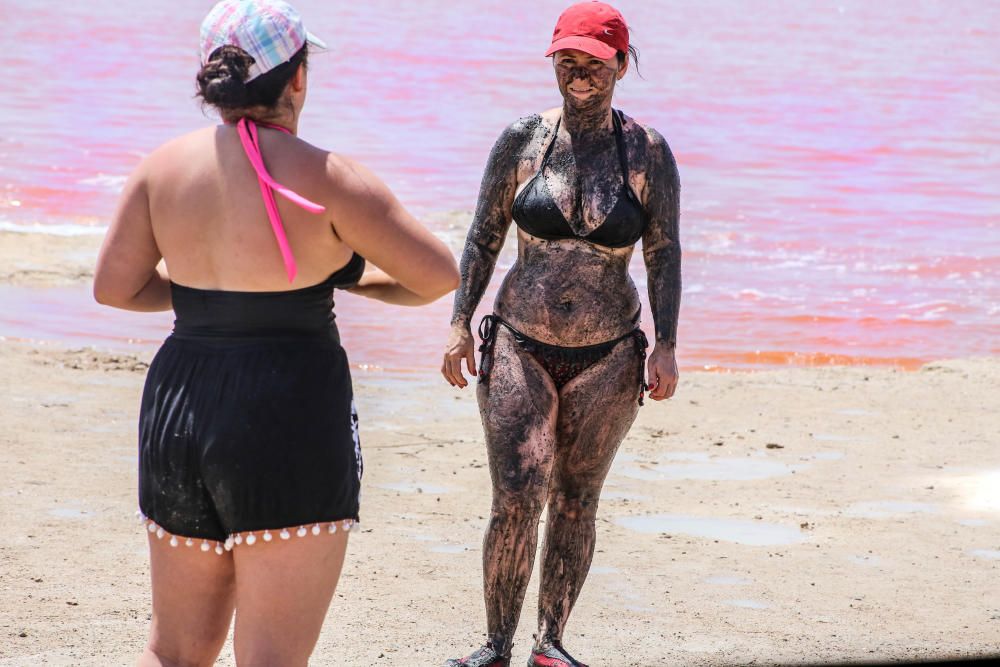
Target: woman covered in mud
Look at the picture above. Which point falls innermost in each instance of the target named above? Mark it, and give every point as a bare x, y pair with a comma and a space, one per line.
561, 375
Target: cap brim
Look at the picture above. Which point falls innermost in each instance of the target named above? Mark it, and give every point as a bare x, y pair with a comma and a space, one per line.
315, 41
589, 45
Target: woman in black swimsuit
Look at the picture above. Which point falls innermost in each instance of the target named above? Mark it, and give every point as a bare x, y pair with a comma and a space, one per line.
249, 457
561, 374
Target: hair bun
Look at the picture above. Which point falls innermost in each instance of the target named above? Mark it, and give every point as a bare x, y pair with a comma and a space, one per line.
222, 80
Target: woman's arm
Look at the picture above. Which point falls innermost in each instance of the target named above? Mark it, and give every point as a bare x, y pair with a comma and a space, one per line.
367, 217
491, 220
379, 285
127, 274
483, 244
661, 251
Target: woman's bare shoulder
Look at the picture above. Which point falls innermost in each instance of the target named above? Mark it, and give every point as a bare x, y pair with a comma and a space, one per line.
181, 145
526, 129
345, 171
643, 133
646, 143
523, 138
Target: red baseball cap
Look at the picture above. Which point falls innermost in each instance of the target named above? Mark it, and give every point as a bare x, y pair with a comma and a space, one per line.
593, 27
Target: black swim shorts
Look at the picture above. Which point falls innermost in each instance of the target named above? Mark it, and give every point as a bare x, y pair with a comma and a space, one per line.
254, 435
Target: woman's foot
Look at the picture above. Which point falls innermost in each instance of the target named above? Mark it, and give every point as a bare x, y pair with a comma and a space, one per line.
484, 657
553, 656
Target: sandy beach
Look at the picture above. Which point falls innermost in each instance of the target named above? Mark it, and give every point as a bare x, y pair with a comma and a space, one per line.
783, 516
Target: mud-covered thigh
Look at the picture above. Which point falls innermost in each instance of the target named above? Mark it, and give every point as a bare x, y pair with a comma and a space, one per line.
596, 410
518, 404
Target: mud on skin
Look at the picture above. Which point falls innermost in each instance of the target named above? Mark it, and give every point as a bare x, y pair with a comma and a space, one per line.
547, 446
518, 408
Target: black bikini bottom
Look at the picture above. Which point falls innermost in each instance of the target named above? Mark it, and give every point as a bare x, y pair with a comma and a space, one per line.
561, 363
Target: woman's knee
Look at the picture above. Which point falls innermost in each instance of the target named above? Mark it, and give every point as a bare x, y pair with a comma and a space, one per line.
574, 505
266, 654
159, 654
524, 500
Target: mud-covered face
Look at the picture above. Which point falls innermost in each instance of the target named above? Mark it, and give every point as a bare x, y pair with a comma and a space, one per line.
585, 79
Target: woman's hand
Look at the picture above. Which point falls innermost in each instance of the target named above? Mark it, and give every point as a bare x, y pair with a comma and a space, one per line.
662, 372
461, 346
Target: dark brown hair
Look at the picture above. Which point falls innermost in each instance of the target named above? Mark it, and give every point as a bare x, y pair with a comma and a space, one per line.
633, 56
222, 80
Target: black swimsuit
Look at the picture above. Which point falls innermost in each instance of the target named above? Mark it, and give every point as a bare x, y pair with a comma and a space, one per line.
536, 212
247, 420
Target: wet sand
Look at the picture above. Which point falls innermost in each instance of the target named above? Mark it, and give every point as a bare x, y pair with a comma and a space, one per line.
785, 516
790, 515
47, 260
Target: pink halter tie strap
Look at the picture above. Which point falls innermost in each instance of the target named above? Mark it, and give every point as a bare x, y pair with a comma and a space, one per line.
247, 130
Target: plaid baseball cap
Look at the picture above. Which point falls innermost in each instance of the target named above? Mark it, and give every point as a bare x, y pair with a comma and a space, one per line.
271, 31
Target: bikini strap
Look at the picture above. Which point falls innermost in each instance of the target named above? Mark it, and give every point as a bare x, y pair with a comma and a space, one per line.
641, 345
618, 120
552, 144
247, 130
487, 334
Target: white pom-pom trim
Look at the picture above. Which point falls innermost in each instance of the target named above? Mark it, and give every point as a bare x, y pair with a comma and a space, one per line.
236, 539
175, 540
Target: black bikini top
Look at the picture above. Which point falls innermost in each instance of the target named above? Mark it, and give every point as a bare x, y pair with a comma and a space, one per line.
536, 212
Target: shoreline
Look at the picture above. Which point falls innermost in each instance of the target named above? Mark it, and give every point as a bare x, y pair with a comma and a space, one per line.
52, 272
779, 516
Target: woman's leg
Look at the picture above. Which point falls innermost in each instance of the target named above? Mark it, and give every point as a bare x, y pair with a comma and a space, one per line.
193, 597
596, 410
518, 405
283, 591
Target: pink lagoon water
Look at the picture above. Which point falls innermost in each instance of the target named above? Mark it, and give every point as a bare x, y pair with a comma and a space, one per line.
840, 161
